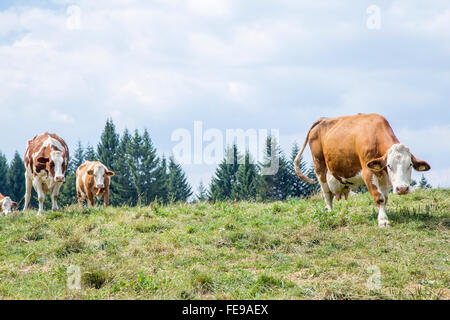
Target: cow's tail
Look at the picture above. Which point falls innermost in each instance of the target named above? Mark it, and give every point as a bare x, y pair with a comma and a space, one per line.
299, 156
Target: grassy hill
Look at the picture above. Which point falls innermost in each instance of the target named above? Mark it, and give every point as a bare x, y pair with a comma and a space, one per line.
283, 250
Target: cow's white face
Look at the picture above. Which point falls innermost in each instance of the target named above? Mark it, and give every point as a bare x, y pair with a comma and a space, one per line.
399, 167
7, 204
399, 162
100, 172
99, 176
57, 163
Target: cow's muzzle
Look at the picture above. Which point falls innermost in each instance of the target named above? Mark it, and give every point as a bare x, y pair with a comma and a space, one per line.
60, 179
402, 190
100, 186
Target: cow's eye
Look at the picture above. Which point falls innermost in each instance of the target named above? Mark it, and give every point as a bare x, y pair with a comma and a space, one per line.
389, 166
52, 164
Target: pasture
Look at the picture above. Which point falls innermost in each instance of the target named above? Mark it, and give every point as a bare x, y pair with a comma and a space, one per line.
232, 250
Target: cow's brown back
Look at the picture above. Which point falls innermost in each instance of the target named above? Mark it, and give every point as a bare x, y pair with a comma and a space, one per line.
347, 143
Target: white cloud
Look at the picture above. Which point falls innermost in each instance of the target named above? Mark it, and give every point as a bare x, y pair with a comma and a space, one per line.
60, 117
215, 8
28, 41
238, 90
134, 90
429, 139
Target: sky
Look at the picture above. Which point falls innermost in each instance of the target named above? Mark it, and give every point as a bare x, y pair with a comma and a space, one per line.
67, 66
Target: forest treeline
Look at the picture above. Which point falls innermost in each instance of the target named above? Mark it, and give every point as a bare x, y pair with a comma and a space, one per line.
143, 177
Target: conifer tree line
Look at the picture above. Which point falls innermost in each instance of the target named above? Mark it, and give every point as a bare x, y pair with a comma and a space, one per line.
238, 177
143, 177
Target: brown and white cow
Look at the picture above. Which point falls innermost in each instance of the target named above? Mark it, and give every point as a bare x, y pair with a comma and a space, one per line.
351, 150
46, 162
6, 204
93, 179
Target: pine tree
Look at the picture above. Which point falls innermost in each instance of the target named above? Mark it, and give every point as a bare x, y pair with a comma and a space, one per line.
150, 170
122, 182
144, 167
299, 187
16, 178
225, 176
68, 192
107, 147
245, 187
202, 193
78, 157
163, 178
90, 154
423, 183
278, 185
134, 160
178, 187
4, 168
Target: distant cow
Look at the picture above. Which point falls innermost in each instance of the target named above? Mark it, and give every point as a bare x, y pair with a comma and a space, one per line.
46, 161
93, 179
6, 204
352, 150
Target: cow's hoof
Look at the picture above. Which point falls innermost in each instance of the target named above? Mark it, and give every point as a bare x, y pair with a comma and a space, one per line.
383, 223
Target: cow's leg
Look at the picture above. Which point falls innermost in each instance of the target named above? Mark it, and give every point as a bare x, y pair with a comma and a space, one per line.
106, 197
90, 199
81, 201
321, 172
372, 183
28, 186
383, 186
54, 195
327, 195
383, 220
81, 197
41, 195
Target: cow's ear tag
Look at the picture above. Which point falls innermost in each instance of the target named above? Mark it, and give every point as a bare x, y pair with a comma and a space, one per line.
377, 167
422, 168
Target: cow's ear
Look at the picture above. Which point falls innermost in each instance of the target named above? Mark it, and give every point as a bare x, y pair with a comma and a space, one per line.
15, 204
90, 172
377, 164
110, 173
420, 165
43, 160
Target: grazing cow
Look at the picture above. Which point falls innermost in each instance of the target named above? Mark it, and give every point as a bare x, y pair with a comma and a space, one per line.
348, 151
46, 161
93, 179
6, 204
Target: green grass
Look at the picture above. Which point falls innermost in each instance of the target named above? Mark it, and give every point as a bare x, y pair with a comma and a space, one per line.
242, 250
